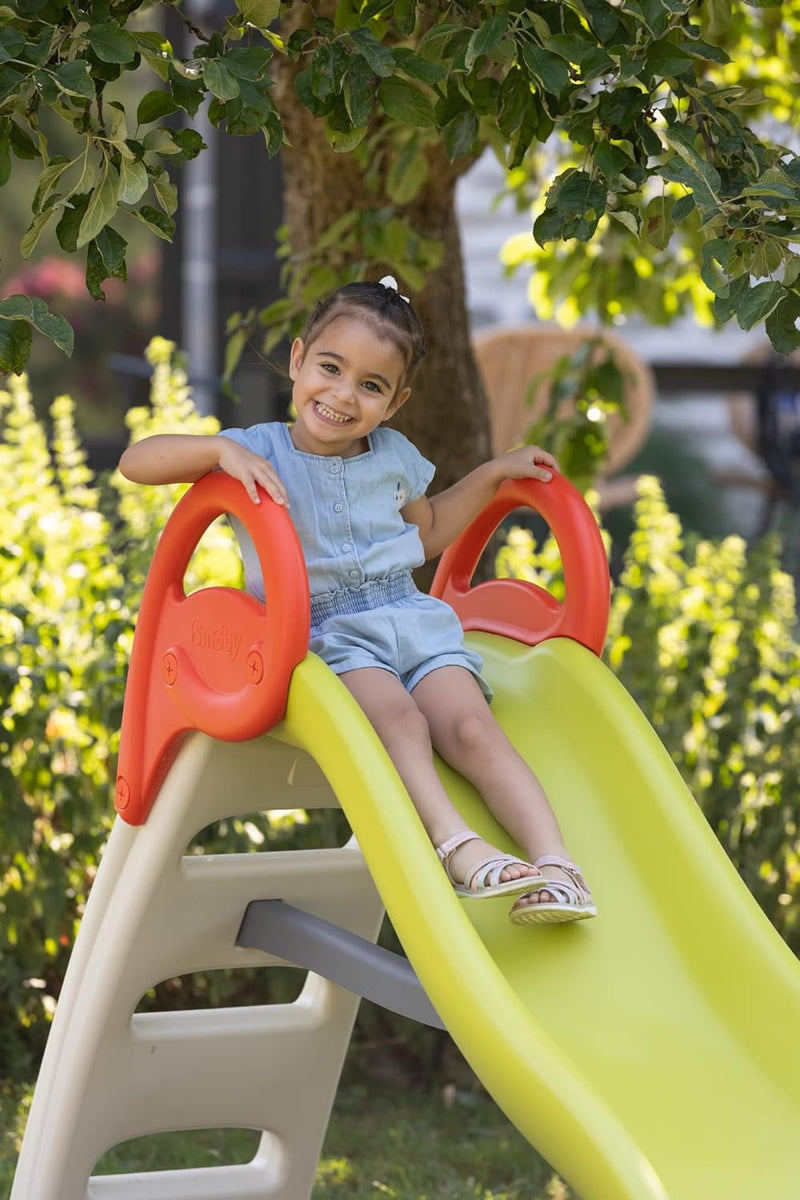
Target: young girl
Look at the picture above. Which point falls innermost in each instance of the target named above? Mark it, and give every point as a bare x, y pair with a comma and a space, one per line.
356, 491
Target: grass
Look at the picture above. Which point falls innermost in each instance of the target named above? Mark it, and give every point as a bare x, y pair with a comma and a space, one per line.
397, 1145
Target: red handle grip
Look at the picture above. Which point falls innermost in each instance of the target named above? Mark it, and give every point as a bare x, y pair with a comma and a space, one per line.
514, 607
216, 661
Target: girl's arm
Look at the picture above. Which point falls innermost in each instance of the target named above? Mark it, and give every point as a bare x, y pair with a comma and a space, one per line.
185, 457
441, 519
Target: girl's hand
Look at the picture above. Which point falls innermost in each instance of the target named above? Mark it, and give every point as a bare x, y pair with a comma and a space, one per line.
250, 469
526, 462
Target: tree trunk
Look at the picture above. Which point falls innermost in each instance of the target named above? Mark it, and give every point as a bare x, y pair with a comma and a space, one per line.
447, 415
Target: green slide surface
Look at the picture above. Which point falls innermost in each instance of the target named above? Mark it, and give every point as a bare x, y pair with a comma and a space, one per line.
678, 1008
649, 1053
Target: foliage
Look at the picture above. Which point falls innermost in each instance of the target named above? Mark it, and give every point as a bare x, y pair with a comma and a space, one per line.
702, 209
72, 566
702, 635
585, 387
638, 88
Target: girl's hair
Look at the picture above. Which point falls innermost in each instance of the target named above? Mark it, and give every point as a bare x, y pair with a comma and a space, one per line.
380, 307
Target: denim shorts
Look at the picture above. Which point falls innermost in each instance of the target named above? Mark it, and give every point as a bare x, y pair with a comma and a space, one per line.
391, 625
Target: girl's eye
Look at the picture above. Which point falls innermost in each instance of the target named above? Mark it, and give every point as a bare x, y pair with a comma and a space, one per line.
331, 368
373, 387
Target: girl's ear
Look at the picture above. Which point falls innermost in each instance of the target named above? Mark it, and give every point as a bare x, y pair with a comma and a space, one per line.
398, 402
296, 358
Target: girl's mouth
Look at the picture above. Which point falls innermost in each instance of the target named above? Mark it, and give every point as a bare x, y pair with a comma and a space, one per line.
329, 414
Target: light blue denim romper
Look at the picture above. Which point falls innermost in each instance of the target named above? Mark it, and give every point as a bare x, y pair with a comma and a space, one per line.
366, 610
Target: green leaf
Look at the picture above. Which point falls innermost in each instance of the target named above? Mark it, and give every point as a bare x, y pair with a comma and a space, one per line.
260, 13
548, 69
461, 134
407, 172
610, 159
417, 67
166, 192
658, 221
665, 59
133, 181
112, 44
35, 312
5, 153
628, 217
758, 302
714, 276
358, 88
219, 80
160, 224
574, 205
15, 345
154, 105
248, 62
74, 79
102, 206
405, 103
11, 81
342, 141
21, 143
105, 258
70, 222
694, 172
380, 58
781, 325
485, 38
34, 232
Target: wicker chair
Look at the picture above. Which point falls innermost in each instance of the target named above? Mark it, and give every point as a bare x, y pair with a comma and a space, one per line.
510, 358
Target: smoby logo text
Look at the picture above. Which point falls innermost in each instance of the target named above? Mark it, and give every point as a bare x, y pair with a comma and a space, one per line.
216, 637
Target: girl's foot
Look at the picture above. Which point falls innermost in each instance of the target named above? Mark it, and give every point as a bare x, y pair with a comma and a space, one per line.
477, 869
568, 900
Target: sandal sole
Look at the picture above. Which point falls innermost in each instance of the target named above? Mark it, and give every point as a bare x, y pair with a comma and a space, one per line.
540, 914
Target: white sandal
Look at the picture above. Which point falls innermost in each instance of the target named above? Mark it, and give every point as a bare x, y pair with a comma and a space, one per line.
573, 900
484, 880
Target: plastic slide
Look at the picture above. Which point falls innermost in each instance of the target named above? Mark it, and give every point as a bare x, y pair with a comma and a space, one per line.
647, 1054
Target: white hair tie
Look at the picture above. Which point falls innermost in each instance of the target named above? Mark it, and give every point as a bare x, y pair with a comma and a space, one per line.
390, 282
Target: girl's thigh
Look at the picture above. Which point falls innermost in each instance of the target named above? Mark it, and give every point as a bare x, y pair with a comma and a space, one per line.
383, 698
451, 698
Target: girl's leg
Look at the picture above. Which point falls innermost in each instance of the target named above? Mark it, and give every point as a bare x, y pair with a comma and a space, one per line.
404, 732
464, 731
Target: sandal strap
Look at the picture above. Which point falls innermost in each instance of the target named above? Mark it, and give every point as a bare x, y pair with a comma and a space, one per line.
575, 883
489, 870
451, 844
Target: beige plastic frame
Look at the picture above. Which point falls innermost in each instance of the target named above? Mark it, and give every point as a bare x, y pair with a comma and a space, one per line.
110, 1074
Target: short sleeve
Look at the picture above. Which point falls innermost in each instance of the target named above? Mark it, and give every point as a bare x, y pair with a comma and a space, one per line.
258, 438
417, 470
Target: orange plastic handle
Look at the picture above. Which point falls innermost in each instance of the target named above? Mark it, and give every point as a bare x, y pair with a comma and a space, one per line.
216, 661
515, 607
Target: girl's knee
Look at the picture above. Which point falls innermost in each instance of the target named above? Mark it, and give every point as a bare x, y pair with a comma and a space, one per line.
406, 723
472, 733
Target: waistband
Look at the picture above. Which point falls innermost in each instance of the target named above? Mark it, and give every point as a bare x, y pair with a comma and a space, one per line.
371, 594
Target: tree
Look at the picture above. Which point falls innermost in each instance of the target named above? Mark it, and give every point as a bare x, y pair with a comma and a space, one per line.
378, 109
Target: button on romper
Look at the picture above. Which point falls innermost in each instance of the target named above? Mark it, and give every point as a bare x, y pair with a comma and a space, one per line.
366, 610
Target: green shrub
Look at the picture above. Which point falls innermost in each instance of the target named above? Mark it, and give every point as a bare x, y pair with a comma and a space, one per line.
702, 635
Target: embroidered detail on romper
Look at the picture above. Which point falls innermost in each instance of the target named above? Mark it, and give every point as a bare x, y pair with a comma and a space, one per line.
400, 494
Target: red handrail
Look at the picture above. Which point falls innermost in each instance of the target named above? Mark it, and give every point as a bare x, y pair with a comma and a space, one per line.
519, 609
216, 661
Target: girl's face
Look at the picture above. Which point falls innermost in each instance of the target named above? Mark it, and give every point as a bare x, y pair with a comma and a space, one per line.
346, 382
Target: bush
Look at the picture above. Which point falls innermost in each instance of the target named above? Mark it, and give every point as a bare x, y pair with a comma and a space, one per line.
702, 635
74, 557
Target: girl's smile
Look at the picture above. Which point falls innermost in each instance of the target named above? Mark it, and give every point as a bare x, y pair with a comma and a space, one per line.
346, 383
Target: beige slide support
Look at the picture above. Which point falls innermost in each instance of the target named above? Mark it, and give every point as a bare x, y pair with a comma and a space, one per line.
111, 1074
